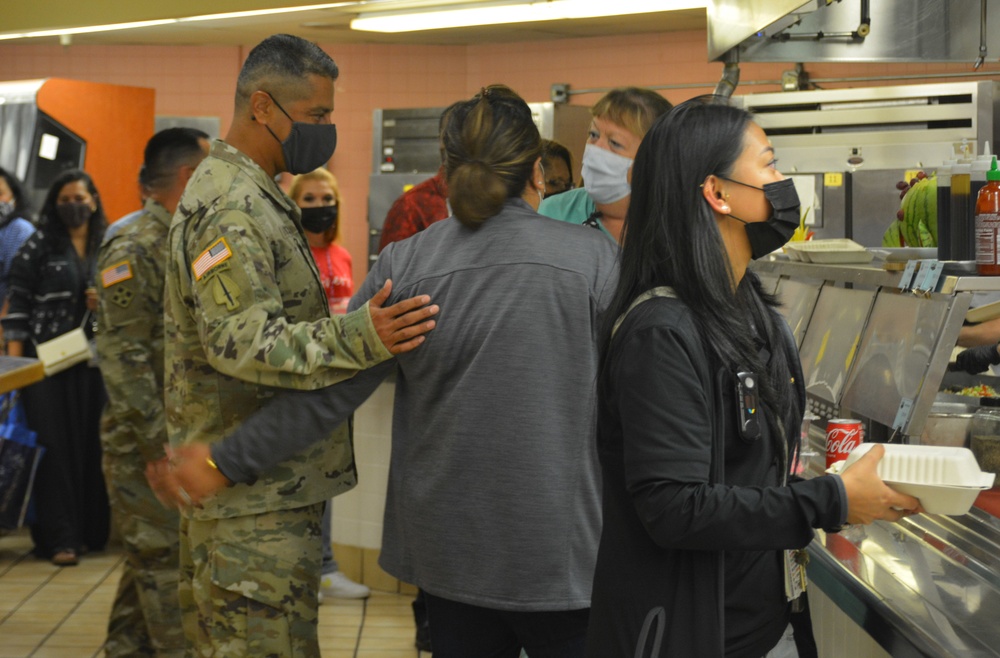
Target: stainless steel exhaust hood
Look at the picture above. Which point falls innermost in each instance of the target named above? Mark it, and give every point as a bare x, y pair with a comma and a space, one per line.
836, 30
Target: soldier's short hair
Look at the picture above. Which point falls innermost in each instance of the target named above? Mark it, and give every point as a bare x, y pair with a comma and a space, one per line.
166, 152
281, 64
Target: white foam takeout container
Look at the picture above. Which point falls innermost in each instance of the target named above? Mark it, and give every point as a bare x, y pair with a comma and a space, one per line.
831, 251
945, 479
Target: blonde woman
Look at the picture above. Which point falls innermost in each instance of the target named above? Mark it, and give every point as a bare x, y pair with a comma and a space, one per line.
318, 195
620, 120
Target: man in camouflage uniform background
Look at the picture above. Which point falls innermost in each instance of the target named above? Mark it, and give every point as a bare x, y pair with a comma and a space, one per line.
245, 315
145, 618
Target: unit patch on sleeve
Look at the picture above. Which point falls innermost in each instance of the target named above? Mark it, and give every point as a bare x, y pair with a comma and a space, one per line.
226, 292
122, 296
217, 253
116, 274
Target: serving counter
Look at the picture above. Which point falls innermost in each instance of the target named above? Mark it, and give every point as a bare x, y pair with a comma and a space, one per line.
928, 585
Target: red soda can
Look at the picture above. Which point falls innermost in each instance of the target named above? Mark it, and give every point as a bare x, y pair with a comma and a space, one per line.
842, 436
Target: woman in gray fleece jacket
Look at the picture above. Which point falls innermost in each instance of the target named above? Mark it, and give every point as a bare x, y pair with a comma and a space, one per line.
493, 505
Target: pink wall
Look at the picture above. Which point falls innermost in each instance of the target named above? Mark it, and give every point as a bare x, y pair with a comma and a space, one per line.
200, 81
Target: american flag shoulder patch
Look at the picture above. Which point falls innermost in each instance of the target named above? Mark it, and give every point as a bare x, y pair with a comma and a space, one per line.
116, 274
217, 253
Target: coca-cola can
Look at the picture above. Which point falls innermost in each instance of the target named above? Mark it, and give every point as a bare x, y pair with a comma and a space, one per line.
842, 436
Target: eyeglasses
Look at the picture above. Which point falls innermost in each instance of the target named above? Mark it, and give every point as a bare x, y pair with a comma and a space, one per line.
557, 185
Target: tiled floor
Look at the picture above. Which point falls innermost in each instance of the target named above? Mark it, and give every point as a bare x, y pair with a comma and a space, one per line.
48, 612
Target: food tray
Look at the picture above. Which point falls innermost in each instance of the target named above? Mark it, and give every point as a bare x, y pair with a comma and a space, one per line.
945, 479
834, 251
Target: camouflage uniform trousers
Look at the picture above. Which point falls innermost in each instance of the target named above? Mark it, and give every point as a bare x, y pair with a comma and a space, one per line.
145, 618
249, 584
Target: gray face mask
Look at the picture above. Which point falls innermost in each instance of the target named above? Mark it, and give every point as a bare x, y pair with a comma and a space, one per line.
6, 209
308, 146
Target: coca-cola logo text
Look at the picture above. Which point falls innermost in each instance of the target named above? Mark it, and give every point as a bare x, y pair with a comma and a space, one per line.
842, 440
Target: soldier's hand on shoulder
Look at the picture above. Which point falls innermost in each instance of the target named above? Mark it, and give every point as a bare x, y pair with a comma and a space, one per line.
402, 326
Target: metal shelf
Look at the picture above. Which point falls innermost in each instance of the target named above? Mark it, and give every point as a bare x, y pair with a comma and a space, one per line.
870, 277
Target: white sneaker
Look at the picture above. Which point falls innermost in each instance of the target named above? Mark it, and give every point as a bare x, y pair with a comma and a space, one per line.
338, 586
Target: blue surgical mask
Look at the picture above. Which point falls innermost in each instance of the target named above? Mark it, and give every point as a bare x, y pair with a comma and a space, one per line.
605, 174
308, 146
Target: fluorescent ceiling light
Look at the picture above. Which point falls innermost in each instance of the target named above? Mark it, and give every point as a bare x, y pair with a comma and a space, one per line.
507, 12
167, 21
87, 29
264, 12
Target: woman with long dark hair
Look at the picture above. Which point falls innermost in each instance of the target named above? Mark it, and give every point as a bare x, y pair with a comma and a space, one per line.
52, 292
697, 503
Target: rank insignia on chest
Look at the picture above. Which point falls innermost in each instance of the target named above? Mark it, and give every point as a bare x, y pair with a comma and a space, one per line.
217, 253
116, 274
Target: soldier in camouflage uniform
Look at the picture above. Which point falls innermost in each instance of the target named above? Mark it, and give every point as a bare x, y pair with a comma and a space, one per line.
145, 618
246, 315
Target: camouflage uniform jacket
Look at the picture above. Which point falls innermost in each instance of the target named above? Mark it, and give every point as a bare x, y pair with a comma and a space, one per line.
130, 333
244, 315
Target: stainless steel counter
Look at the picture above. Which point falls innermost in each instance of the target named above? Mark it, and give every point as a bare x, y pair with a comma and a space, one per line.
926, 586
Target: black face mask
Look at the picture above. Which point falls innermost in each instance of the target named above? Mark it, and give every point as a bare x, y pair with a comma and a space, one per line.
74, 215
767, 236
308, 145
319, 219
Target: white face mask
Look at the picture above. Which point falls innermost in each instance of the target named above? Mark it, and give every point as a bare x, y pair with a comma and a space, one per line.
605, 174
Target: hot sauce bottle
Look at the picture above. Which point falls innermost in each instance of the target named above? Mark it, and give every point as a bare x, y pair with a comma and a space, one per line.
988, 224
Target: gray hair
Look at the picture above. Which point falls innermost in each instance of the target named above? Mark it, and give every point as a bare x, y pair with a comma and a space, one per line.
283, 63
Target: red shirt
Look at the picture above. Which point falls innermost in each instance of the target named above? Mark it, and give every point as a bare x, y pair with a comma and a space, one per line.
416, 209
334, 264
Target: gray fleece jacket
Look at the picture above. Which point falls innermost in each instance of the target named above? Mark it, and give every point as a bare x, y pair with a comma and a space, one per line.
494, 487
